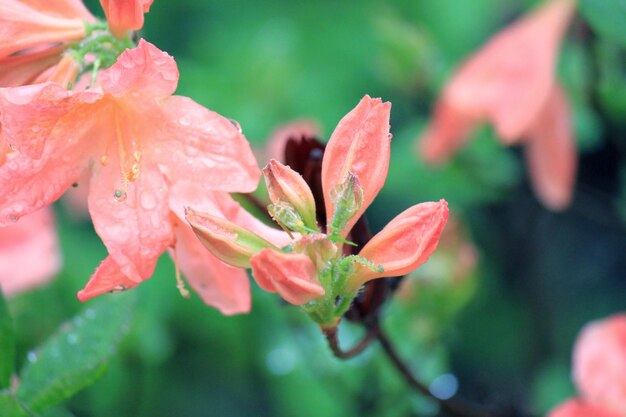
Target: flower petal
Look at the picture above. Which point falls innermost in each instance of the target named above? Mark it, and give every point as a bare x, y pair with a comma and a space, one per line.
219, 285
29, 252
198, 144
551, 153
577, 408
25, 27
292, 275
143, 74
446, 133
600, 363
24, 69
404, 244
136, 229
63, 8
510, 78
125, 15
107, 278
360, 144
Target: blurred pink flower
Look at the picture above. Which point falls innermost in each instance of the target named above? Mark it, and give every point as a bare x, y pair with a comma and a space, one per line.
138, 141
125, 15
34, 36
510, 83
29, 253
599, 371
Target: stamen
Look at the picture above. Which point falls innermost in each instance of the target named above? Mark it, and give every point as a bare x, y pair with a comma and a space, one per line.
180, 284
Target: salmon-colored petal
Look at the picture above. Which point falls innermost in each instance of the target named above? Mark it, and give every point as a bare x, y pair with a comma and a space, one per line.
190, 194
23, 27
218, 284
577, 408
198, 144
107, 278
360, 144
600, 363
62, 8
29, 252
143, 75
29, 114
551, 153
510, 78
24, 69
446, 133
404, 244
125, 15
131, 219
292, 275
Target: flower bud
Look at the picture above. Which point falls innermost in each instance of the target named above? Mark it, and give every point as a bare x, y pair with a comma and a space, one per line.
226, 240
292, 275
125, 15
286, 185
346, 198
65, 72
287, 217
404, 244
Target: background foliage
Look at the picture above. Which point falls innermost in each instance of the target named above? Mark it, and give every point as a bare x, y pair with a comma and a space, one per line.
505, 332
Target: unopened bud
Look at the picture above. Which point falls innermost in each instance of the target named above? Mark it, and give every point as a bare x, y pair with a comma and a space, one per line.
287, 186
346, 198
287, 218
226, 240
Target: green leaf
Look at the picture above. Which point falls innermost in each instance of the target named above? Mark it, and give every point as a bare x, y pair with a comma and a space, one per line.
606, 16
77, 355
7, 345
11, 407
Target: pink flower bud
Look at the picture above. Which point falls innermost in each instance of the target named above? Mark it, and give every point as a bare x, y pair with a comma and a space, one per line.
360, 144
404, 244
286, 185
226, 240
125, 15
292, 275
578, 408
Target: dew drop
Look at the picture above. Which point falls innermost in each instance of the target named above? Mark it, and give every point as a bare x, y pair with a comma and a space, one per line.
389, 136
236, 124
35, 129
148, 201
118, 289
32, 357
185, 121
120, 195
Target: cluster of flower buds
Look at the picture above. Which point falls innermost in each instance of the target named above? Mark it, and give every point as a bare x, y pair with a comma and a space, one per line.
314, 270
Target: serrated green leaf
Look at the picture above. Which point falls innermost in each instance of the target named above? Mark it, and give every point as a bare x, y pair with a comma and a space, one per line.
11, 407
7, 345
76, 356
606, 16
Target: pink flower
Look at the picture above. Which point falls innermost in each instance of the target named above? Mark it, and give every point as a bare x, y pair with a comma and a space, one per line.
141, 144
34, 35
29, 253
312, 270
125, 15
510, 83
599, 371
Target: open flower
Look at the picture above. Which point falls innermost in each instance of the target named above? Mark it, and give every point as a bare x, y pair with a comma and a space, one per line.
510, 83
313, 271
29, 252
599, 371
34, 37
139, 143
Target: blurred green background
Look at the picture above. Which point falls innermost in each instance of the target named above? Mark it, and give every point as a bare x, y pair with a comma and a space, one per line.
504, 329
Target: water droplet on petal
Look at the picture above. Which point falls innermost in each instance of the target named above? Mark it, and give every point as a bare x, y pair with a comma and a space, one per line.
148, 201
389, 136
35, 129
185, 121
118, 289
120, 195
236, 124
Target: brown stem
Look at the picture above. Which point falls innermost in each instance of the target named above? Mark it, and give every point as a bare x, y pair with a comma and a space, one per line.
333, 342
452, 407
